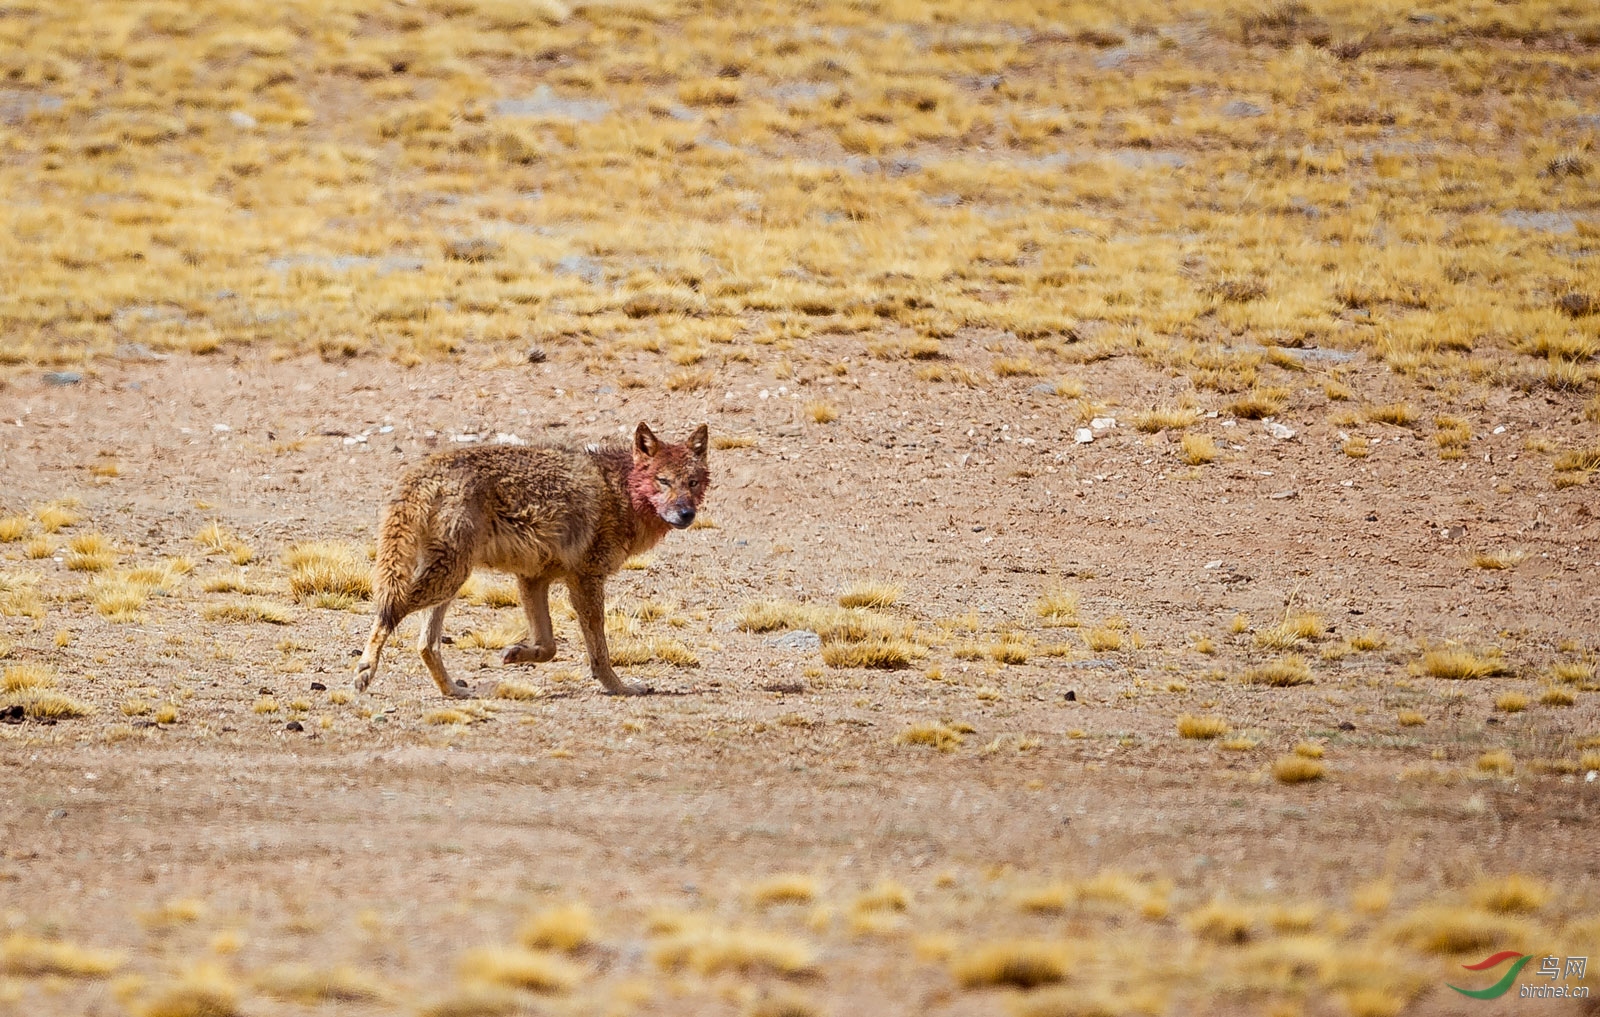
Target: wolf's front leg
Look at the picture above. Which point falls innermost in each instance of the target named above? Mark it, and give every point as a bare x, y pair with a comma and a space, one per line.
589, 601
535, 596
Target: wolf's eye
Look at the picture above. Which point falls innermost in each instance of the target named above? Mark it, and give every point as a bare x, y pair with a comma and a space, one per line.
694, 485
664, 482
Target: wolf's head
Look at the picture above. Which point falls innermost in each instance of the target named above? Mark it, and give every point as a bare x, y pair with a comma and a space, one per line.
671, 478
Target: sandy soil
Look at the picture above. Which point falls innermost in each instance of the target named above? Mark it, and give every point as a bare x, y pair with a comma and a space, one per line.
391, 844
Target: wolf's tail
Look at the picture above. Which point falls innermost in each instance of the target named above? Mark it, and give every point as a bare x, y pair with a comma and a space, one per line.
400, 536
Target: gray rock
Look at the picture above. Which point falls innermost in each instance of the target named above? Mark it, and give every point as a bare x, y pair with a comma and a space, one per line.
587, 269
801, 640
544, 103
1241, 109
239, 118
1045, 388
1098, 663
62, 377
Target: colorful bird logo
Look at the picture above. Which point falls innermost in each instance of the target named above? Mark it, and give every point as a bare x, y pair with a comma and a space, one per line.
1499, 988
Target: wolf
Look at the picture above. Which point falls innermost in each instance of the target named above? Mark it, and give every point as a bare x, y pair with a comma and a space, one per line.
540, 512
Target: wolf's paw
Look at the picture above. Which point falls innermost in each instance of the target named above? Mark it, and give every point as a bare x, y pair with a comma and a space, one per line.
365, 671
522, 653
631, 689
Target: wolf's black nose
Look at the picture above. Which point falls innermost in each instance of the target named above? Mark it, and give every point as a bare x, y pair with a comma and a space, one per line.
686, 517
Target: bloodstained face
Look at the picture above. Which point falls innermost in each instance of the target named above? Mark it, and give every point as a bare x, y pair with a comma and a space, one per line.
671, 479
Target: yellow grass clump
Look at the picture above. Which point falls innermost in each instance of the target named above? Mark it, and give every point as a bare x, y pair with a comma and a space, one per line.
26, 955
567, 927
1198, 449
1201, 728
1511, 894
521, 968
1297, 769
24, 677
1496, 761
303, 983
869, 594
711, 950
14, 528
1462, 664
821, 413
1222, 922
1511, 702
1022, 963
205, 991
57, 516
787, 888
325, 567
1410, 718
1557, 696
1165, 418
1461, 930
1284, 672
938, 736
45, 704
1058, 607
251, 610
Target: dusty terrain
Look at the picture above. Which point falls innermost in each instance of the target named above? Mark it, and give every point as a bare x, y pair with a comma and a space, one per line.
1150, 567
379, 840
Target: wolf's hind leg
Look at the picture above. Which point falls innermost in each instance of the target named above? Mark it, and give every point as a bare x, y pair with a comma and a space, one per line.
428, 647
367, 669
535, 596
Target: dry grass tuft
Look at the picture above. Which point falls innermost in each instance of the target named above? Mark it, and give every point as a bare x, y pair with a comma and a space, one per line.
251, 610
1557, 696
1410, 718
57, 516
510, 688
1512, 894
869, 594
203, 992
1284, 672
1199, 449
1165, 418
1462, 664
568, 927
14, 528
1496, 761
821, 413
302, 983
324, 567
520, 968
44, 704
1058, 607
1459, 930
475, 1001
1297, 769
482, 593
26, 677
1223, 923
1497, 559
1021, 963
1398, 414
1511, 702
25, 955
788, 888
1202, 728
943, 738
712, 950
214, 539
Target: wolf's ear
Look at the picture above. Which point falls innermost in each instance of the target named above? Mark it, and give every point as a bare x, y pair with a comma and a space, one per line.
697, 440
645, 442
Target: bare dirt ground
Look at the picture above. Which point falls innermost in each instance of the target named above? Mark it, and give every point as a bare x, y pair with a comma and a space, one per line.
377, 842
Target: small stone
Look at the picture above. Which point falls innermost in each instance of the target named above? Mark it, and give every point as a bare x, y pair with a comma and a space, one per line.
1240, 109
1045, 388
62, 377
1282, 432
1283, 495
536, 355
294, 725
1072, 695
1083, 436
318, 687
803, 640
1345, 725
13, 714
1101, 423
239, 118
